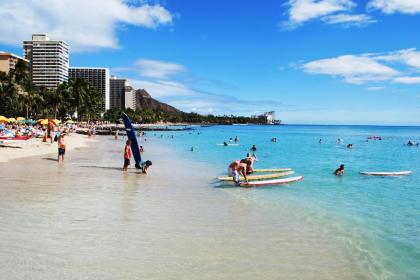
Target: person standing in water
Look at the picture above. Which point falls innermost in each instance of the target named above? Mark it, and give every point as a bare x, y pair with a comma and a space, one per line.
61, 147
339, 171
127, 154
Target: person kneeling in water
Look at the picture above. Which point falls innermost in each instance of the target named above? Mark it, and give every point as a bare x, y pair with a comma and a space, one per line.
235, 169
145, 165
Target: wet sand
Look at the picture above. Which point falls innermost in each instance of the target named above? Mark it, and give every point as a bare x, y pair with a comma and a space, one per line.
85, 219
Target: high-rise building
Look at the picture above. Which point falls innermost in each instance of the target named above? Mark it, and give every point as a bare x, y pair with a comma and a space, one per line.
8, 61
97, 77
48, 60
129, 97
117, 93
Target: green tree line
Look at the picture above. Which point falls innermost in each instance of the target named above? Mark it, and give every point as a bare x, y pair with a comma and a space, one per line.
153, 116
20, 97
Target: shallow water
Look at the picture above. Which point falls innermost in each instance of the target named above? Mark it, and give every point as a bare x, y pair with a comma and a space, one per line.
376, 220
85, 219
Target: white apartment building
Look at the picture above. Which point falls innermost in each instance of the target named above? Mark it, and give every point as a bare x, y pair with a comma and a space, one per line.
129, 97
48, 60
97, 77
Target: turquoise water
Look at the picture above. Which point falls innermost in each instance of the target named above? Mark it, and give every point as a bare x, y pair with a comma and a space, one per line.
376, 219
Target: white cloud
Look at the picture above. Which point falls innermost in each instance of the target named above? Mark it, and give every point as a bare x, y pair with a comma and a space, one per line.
161, 89
407, 80
396, 6
354, 69
158, 69
374, 88
301, 11
85, 24
411, 57
349, 19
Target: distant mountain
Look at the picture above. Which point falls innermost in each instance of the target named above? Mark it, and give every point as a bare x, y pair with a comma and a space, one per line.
145, 101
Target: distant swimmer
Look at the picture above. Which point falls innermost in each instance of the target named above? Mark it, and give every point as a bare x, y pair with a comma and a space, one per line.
410, 143
235, 169
236, 139
225, 144
253, 148
340, 140
127, 154
230, 140
320, 141
274, 139
339, 171
350, 146
192, 149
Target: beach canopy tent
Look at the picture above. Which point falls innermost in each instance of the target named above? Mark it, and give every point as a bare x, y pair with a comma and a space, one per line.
3, 119
20, 119
12, 120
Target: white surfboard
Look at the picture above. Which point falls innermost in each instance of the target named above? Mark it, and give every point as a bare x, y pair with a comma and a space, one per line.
396, 173
271, 182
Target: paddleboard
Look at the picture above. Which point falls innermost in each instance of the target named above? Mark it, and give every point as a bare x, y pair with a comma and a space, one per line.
131, 134
273, 170
260, 177
397, 173
271, 182
227, 144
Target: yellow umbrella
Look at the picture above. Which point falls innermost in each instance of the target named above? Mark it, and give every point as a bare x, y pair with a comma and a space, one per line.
3, 119
57, 121
69, 121
12, 120
20, 119
45, 121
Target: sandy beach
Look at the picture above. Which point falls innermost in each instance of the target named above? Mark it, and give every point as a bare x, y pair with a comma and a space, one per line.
35, 147
92, 221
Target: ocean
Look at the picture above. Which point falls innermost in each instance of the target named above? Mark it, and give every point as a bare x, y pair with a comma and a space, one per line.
85, 219
376, 218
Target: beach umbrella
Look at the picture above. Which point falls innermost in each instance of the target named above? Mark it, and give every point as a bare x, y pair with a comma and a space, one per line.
3, 119
20, 119
12, 120
57, 121
69, 121
46, 121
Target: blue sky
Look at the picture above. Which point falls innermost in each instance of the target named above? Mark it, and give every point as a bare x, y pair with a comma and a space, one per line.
312, 61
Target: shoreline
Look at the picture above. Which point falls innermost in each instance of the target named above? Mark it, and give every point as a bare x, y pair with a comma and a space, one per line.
35, 147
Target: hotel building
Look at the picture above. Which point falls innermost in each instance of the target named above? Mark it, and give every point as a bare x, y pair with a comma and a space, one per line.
117, 93
8, 61
48, 60
97, 77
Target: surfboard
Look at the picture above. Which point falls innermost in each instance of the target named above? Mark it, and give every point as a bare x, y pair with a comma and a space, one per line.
270, 182
227, 144
260, 177
131, 134
273, 170
397, 173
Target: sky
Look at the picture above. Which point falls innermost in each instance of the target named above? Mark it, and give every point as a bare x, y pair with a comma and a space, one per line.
311, 61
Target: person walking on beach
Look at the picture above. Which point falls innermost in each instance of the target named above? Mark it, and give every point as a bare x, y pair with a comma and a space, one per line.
235, 169
127, 154
116, 133
61, 147
339, 171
